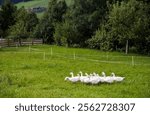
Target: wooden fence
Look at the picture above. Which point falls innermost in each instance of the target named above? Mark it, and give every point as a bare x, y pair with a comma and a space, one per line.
10, 42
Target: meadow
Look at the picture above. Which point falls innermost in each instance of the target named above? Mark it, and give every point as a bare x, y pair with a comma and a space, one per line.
37, 3
39, 71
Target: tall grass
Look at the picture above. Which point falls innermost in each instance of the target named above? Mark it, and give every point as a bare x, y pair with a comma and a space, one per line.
28, 74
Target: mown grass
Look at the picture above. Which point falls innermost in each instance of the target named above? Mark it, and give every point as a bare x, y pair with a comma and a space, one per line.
37, 3
31, 74
33, 3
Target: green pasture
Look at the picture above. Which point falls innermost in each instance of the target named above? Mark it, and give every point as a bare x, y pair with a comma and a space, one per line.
39, 71
37, 3
33, 3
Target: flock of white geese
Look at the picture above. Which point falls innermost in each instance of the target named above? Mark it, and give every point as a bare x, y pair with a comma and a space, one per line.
94, 78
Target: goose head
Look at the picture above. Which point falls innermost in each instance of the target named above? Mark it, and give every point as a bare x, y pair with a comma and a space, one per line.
66, 78
97, 74
81, 73
71, 73
91, 74
94, 74
113, 74
103, 74
78, 75
86, 74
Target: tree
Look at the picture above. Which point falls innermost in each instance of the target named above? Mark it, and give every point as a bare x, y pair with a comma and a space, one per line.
56, 10
86, 16
100, 40
8, 11
65, 34
127, 24
18, 31
44, 30
32, 21
24, 26
46, 27
1, 21
127, 21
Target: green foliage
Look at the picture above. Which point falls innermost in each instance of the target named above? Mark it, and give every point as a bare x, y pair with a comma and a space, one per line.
56, 10
1, 21
126, 21
64, 34
7, 17
85, 15
45, 29
129, 21
32, 21
24, 26
18, 31
100, 24
100, 40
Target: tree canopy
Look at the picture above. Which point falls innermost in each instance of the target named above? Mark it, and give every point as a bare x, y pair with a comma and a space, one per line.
7, 17
120, 25
127, 24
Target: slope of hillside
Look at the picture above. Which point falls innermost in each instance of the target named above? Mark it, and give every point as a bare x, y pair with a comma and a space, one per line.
33, 3
38, 3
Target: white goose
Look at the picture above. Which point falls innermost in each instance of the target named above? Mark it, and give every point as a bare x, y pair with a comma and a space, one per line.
117, 78
95, 74
72, 78
72, 75
102, 78
84, 79
95, 80
108, 79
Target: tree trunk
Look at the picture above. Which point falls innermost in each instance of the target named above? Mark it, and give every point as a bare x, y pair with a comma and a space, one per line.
8, 42
43, 40
127, 47
32, 41
19, 42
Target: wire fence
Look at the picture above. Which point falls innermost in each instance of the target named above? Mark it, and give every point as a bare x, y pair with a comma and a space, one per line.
114, 59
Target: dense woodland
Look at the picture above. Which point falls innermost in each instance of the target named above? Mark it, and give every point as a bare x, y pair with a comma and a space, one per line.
108, 25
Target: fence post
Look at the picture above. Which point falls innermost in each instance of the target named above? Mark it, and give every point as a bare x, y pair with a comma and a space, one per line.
29, 48
107, 56
16, 46
74, 55
0, 44
8, 42
32, 42
132, 60
44, 56
51, 51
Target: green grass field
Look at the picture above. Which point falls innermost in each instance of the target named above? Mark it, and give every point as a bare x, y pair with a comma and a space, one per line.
33, 3
37, 3
39, 71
